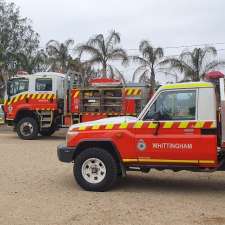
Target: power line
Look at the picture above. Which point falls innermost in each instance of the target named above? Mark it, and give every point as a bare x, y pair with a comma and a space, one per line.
185, 46
169, 47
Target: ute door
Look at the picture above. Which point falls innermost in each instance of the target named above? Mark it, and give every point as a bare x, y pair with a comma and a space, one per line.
171, 133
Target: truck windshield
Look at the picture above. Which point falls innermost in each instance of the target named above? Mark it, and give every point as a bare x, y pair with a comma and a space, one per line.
16, 86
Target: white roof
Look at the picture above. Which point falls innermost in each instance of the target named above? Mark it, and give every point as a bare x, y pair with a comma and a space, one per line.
49, 74
40, 74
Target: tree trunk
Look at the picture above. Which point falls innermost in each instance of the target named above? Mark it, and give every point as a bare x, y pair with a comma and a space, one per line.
104, 70
152, 82
196, 76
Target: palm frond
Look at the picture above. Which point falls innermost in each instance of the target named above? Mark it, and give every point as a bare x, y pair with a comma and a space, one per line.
88, 49
144, 77
94, 60
113, 38
143, 45
121, 76
69, 42
97, 40
53, 43
137, 72
140, 60
117, 54
211, 50
212, 65
158, 53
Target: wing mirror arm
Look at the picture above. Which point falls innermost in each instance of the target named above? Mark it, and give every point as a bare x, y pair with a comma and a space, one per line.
155, 119
157, 127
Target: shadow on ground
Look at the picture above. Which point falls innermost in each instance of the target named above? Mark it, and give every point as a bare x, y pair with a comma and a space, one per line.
148, 183
177, 183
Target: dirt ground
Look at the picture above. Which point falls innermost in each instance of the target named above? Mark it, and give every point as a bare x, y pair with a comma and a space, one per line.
35, 188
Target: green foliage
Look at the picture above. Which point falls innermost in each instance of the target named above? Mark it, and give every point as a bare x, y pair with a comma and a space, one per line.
102, 50
59, 56
148, 62
195, 64
16, 36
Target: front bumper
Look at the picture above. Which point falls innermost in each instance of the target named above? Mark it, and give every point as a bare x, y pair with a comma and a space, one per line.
65, 154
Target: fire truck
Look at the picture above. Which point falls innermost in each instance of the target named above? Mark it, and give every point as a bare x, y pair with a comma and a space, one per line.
181, 128
43, 102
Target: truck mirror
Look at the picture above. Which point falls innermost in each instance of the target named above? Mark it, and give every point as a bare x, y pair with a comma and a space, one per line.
8, 88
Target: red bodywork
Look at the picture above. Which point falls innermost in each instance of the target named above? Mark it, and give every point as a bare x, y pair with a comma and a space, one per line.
129, 105
32, 102
170, 143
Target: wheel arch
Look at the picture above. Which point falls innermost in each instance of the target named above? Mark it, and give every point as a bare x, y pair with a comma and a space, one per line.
24, 112
107, 145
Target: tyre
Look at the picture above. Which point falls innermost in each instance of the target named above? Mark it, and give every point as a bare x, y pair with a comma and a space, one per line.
95, 170
47, 132
27, 128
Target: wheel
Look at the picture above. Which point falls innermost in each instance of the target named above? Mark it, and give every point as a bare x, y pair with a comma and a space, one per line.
47, 132
27, 128
95, 169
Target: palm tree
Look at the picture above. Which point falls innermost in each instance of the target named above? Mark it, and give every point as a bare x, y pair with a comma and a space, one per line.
31, 63
59, 54
103, 50
82, 69
149, 63
195, 64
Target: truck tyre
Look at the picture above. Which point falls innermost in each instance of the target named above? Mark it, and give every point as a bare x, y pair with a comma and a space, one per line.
27, 128
47, 132
95, 169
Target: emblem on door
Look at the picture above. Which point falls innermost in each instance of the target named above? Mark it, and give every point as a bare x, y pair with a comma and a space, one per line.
141, 145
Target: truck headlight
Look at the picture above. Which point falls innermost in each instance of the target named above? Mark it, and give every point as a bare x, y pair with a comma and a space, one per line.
70, 134
10, 109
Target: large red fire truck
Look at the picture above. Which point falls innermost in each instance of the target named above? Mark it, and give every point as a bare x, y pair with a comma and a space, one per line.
44, 102
181, 128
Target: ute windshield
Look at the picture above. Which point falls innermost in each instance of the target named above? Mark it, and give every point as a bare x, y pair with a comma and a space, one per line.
16, 86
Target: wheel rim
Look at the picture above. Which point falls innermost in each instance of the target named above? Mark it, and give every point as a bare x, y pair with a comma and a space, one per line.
26, 129
93, 170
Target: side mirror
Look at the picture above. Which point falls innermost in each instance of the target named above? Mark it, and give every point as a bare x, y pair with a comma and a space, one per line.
8, 88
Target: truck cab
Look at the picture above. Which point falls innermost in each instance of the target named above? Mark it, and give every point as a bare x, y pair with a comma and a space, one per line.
179, 129
31, 101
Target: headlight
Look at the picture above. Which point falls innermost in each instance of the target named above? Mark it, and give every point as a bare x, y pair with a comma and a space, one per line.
10, 109
70, 134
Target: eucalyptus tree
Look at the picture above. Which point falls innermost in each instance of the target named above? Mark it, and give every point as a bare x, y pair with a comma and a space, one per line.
195, 64
103, 51
149, 62
16, 35
59, 55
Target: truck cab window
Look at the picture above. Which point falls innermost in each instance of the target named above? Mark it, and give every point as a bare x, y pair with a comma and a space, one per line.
16, 86
43, 84
173, 105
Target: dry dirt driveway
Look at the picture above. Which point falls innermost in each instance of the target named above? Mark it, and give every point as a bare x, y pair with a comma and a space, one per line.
35, 188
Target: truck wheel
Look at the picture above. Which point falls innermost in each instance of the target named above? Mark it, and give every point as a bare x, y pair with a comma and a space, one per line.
47, 132
27, 128
95, 169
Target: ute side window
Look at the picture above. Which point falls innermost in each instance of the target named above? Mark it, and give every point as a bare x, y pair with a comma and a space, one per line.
43, 84
173, 105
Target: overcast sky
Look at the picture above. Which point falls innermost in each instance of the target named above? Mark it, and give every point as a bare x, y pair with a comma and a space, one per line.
163, 22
